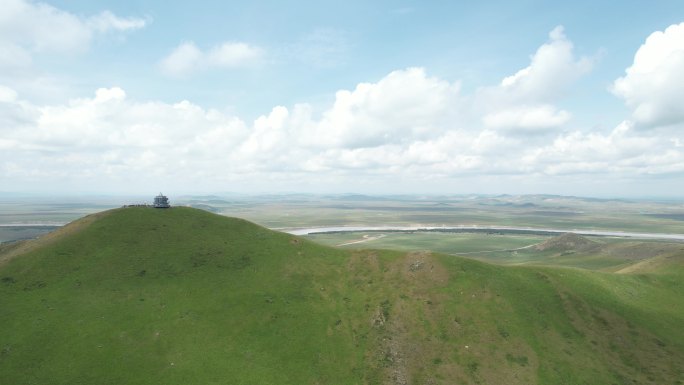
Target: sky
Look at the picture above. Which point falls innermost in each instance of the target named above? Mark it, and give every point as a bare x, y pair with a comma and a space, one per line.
383, 97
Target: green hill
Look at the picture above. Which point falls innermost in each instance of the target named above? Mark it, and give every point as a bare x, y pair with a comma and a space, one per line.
184, 296
567, 242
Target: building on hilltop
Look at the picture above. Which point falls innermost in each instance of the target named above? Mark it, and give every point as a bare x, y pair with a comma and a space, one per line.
161, 202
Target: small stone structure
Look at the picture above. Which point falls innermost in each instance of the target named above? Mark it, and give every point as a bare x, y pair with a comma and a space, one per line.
161, 202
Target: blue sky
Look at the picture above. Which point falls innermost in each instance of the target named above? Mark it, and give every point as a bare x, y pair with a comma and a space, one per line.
379, 97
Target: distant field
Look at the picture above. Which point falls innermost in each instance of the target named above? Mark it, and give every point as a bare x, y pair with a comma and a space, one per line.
609, 254
449, 243
53, 210
13, 233
289, 211
533, 211
283, 212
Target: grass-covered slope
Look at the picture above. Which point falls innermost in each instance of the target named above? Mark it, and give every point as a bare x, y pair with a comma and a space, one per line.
170, 296
182, 296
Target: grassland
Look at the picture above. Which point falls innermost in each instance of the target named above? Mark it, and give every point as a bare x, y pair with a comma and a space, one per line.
534, 211
13, 233
607, 253
288, 211
144, 296
441, 242
53, 210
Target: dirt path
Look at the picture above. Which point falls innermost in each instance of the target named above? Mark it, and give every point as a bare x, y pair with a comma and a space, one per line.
366, 238
493, 251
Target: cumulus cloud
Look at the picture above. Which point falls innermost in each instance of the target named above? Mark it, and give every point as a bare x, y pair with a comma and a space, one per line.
651, 86
110, 120
407, 125
524, 101
552, 68
621, 152
401, 121
41, 27
110, 136
188, 58
403, 106
28, 27
184, 58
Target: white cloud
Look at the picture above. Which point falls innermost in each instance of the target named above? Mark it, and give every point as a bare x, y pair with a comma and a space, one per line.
13, 56
652, 86
7, 94
524, 101
107, 21
527, 118
29, 27
41, 27
620, 152
405, 126
188, 58
109, 120
14, 113
403, 106
553, 67
184, 59
399, 127
229, 55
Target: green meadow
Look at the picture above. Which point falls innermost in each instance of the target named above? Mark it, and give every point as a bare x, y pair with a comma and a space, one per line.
442, 242
184, 296
307, 210
601, 253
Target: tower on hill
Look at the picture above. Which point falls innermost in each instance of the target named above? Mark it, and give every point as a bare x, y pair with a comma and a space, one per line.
161, 202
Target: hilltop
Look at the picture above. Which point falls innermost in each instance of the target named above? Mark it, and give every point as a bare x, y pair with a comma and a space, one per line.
180, 296
566, 242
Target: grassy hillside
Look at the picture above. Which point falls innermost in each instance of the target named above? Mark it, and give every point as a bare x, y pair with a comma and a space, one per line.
183, 296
